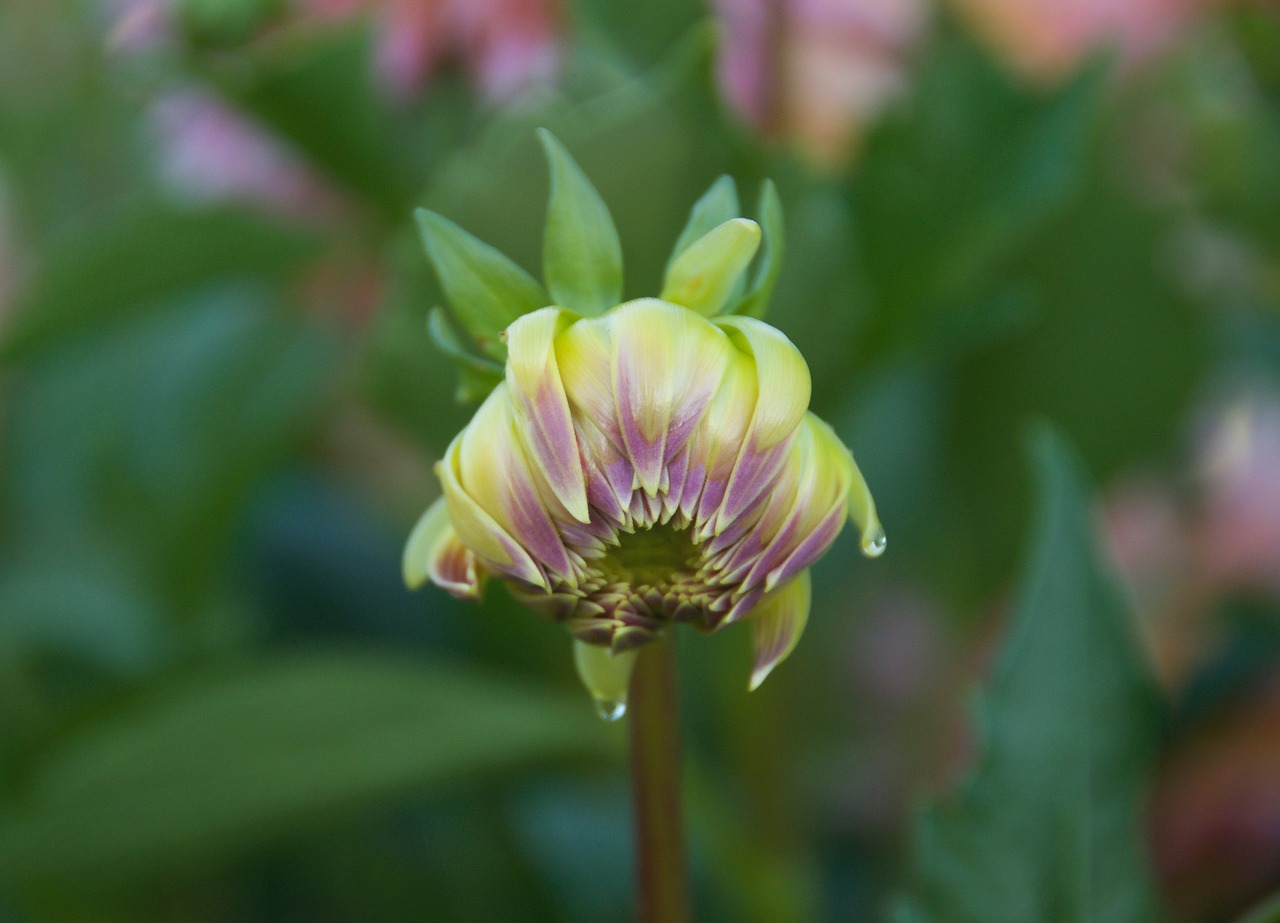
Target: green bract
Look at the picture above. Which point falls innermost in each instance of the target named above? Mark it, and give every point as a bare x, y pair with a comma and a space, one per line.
722, 263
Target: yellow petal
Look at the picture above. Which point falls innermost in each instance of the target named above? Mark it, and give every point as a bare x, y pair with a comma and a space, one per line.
783, 376
668, 364
430, 530
542, 408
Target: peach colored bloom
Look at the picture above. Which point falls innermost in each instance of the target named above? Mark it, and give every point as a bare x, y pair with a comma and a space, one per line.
815, 72
1048, 39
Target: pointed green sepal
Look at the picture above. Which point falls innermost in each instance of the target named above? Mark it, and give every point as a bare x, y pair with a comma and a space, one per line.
704, 275
477, 375
756, 302
717, 205
607, 676
581, 253
486, 290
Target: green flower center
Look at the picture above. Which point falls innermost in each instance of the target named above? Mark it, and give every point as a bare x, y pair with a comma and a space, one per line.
660, 556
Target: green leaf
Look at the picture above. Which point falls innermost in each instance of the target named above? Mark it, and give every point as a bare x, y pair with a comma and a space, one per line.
581, 253
477, 376
209, 768
1048, 828
124, 265
486, 290
716, 206
756, 302
961, 181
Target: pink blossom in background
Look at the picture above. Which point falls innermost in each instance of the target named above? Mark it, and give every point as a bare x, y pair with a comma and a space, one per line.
1048, 39
815, 72
138, 25
8, 256
207, 152
1215, 810
1240, 468
507, 46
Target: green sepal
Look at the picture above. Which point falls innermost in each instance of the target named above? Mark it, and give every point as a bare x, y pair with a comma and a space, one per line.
477, 375
704, 276
717, 205
581, 253
769, 214
486, 290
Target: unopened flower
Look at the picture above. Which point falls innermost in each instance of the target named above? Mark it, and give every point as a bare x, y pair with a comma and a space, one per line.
647, 466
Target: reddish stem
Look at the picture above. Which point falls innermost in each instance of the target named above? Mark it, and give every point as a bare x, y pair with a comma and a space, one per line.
662, 885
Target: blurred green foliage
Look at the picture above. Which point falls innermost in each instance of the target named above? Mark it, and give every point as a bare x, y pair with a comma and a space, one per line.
219, 405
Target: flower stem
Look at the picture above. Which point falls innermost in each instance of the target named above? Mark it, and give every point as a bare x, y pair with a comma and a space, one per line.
662, 886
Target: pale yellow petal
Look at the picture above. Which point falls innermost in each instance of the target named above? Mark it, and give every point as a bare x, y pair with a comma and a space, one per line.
430, 530
542, 413
783, 376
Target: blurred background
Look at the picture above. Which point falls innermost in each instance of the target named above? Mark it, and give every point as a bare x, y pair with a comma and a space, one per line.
219, 408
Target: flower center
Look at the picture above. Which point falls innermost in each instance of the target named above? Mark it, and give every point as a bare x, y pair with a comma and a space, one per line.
660, 556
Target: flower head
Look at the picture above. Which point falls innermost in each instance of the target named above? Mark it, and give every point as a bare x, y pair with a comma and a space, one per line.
647, 466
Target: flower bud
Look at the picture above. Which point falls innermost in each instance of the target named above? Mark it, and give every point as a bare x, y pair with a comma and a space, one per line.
645, 467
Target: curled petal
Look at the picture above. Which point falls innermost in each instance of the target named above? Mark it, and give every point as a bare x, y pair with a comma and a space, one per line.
584, 357
777, 623
783, 376
495, 500
824, 469
434, 551
717, 440
862, 511
542, 408
783, 389
429, 531
668, 363
490, 542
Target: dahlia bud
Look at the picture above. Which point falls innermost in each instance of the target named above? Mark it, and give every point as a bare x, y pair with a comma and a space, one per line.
647, 466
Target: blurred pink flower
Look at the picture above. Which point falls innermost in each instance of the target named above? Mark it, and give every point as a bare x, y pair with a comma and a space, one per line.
138, 25
1047, 39
508, 46
1215, 813
1240, 468
8, 255
815, 72
208, 152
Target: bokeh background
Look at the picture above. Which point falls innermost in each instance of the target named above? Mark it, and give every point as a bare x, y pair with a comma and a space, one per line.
219, 408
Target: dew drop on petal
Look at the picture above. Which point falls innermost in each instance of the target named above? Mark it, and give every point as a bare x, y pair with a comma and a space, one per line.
874, 542
611, 709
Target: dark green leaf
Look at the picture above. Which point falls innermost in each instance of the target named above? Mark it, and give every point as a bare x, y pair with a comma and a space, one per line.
1048, 828
581, 255
1266, 912
476, 376
486, 290
127, 264
212, 767
962, 180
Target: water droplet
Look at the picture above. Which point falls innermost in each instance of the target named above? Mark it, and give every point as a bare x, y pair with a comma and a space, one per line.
611, 710
874, 542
